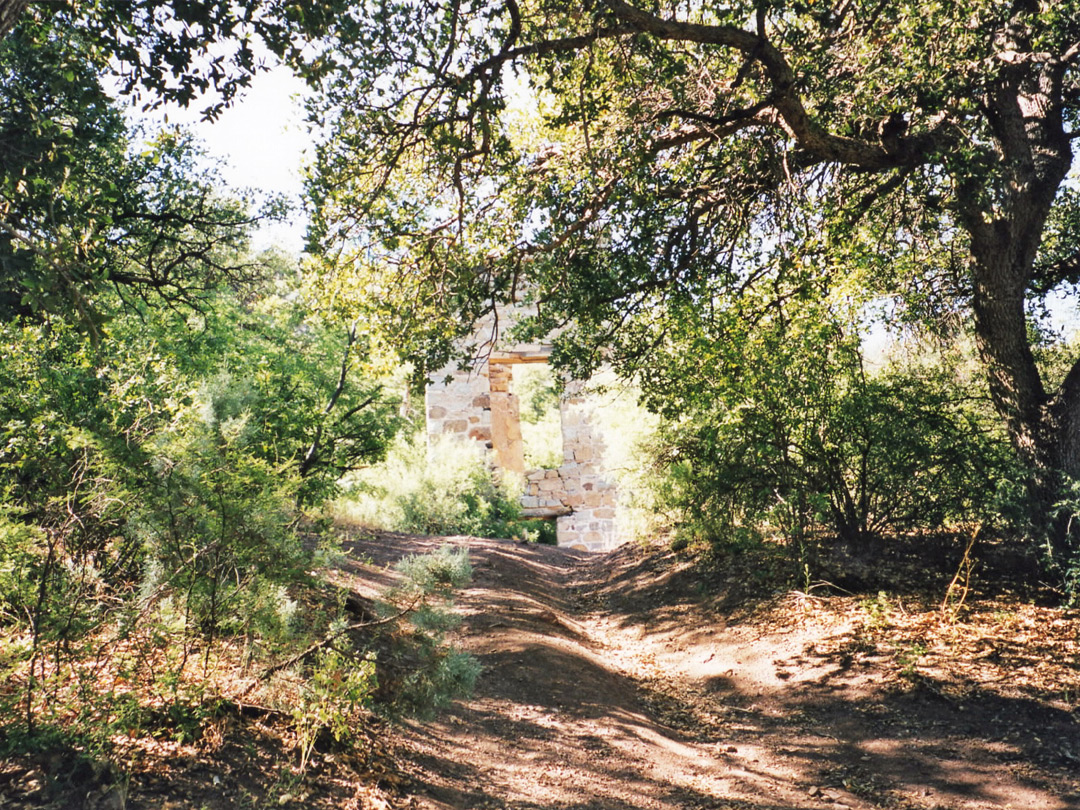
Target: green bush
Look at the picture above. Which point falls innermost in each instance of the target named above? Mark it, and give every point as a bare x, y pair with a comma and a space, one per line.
217, 518
427, 672
336, 688
444, 489
436, 573
790, 434
156, 476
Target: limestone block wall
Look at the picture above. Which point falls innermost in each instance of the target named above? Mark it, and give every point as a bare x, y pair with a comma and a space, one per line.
545, 493
478, 406
588, 491
579, 494
459, 405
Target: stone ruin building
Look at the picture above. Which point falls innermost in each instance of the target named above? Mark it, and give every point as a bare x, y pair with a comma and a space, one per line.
478, 405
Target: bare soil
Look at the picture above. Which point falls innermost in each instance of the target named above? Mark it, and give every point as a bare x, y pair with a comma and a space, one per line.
629, 681
645, 679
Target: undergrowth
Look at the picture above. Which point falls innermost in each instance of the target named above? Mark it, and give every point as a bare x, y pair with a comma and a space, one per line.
443, 489
322, 677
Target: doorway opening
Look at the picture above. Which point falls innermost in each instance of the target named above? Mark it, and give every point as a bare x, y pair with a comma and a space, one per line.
541, 422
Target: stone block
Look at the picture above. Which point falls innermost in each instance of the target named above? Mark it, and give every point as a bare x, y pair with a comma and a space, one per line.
455, 426
604, 512
483, 401
499, 377
480, 434
436, 412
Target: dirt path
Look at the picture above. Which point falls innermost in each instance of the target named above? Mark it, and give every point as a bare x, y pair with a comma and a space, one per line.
609, 683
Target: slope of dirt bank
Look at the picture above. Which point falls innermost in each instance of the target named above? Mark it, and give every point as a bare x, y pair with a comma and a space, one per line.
615, 681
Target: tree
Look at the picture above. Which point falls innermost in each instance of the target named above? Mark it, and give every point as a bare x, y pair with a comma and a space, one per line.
180, 52
922, 149
85, 206
10, 11
779, 427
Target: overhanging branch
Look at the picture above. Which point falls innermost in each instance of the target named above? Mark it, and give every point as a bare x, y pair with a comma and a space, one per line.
790, 112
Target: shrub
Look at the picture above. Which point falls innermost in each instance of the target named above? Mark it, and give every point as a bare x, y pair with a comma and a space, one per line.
336, 688
155, 478
426, 672
444, 489
218, 518
793, 435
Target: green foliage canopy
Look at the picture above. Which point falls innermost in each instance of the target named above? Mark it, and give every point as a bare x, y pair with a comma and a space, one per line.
779, 426
85, 207
688, 150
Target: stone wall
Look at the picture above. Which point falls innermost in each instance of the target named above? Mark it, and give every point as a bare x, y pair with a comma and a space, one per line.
459, 405
478, 406
578, 492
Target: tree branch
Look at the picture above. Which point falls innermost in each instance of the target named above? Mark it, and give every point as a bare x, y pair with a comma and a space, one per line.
327, 640
312, 454
790, 112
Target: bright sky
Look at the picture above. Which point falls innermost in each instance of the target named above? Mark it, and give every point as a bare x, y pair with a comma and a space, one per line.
261, 142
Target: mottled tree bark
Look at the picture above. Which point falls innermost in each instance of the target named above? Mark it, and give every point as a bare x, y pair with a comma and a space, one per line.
10, 11
1024, 107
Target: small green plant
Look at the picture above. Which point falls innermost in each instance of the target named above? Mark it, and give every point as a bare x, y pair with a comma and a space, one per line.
679, 543
334, 690
424, 673
908, 657
877, 612
537, 531
436, 573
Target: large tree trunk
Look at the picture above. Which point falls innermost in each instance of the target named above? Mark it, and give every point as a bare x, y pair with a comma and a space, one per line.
1024, 109
10, 11
1044, 427
1016, 386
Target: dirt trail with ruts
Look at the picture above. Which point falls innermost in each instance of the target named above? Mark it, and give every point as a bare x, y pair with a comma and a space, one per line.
618, 681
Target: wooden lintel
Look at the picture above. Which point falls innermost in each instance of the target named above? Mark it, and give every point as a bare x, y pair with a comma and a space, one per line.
545, 511
514, 358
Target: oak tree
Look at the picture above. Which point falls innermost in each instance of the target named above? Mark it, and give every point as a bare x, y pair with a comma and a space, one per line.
687, 150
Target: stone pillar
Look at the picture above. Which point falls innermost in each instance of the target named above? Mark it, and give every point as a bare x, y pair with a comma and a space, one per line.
587, 490
505, 421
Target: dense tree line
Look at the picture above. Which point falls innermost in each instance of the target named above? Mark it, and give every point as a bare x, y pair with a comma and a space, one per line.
175, 412
705, 196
